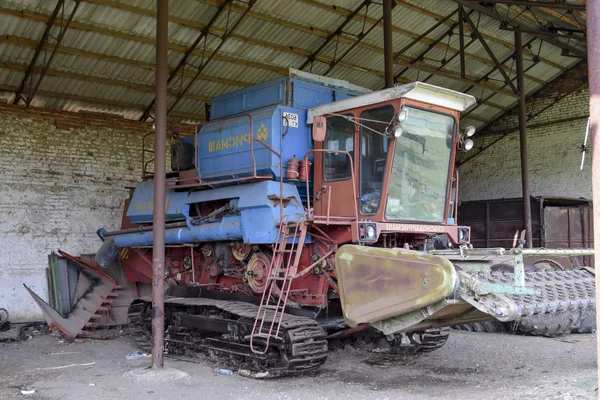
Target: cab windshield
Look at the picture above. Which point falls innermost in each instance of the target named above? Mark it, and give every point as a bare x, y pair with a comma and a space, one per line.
420, 169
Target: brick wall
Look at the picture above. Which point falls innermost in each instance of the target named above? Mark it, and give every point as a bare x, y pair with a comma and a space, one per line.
554, 155
63, 177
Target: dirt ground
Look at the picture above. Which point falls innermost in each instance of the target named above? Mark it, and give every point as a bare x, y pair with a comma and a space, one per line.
470, 366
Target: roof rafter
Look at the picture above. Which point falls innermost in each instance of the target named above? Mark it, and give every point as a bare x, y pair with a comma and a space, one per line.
204, 63
312, 57
487, 48
33, 87
549, 4
307, 29
455, 76
487, 75
98, 79
188, 53
492, 14
359, 38
508, 45
20, 41
103, 102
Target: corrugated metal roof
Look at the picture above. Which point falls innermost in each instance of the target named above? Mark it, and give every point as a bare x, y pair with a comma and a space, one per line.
108, 52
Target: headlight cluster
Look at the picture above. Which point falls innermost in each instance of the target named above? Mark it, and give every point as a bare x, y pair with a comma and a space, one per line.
463, 235
368, 232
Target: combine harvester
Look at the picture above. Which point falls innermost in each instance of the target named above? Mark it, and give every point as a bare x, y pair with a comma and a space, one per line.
267, 260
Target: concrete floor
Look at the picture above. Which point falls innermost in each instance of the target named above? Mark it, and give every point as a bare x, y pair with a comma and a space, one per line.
469, 366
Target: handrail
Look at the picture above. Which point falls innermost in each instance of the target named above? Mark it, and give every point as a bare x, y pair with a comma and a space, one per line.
144, 151
311, 214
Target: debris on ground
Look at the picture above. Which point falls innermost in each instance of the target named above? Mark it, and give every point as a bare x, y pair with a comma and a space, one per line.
136, 356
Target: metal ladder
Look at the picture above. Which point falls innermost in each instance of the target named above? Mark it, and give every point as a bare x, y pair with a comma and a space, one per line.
282, 269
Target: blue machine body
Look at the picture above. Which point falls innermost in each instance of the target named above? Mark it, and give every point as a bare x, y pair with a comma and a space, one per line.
255, 219
274, 112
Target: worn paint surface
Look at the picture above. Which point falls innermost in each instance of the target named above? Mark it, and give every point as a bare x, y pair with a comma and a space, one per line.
377, 283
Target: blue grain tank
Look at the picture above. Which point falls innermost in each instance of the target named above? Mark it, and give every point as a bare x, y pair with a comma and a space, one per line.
224, 154
273, 111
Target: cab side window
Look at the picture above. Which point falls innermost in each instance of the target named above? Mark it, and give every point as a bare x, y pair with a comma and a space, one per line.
339, 136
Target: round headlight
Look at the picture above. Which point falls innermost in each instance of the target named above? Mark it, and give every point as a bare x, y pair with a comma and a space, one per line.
470, 131
398, 131
401, 115
370, 231
468, 145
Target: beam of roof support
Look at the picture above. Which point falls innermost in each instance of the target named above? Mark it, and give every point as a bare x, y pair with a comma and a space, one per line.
102, 102
292, 50
456, 76
359, 38
489, 38
487, 48
20, 41
204, 63
548, 4
312, 57
203, 34
461, 39
145, 88
425, 34
535, 19
420, 56
28, 78
492, 14
486, 76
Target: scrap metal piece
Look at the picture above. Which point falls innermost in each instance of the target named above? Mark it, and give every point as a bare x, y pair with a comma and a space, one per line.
72, 324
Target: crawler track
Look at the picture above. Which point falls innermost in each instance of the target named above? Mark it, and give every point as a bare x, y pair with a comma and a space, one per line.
220, 330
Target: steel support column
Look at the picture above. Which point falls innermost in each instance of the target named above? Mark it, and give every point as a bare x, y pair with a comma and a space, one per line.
593, 49
461, 40
523, 137
160, 159
388, 49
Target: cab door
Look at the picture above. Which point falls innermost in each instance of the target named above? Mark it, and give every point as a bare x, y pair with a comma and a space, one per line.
334, 190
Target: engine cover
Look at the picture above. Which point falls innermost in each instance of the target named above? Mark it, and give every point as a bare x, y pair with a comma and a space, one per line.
378, 283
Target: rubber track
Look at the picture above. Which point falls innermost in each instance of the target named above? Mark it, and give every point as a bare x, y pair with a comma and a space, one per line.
305, 343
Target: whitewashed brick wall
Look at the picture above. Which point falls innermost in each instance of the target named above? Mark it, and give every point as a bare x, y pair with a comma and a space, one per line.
63, 177
554, 156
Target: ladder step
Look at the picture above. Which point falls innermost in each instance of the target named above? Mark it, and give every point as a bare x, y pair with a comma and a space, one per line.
112, 294
107, 301
266, 336
271, 307
102, 308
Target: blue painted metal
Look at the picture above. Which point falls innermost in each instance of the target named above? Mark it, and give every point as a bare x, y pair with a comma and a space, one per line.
142, 203
256, 212
229, 228
293, 92
276, 113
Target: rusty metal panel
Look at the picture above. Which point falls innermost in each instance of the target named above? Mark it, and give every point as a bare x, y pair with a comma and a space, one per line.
378, 283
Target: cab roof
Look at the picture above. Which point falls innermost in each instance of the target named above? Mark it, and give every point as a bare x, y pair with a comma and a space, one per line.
419, 91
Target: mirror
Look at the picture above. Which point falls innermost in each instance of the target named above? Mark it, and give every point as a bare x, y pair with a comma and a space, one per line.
319, 128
